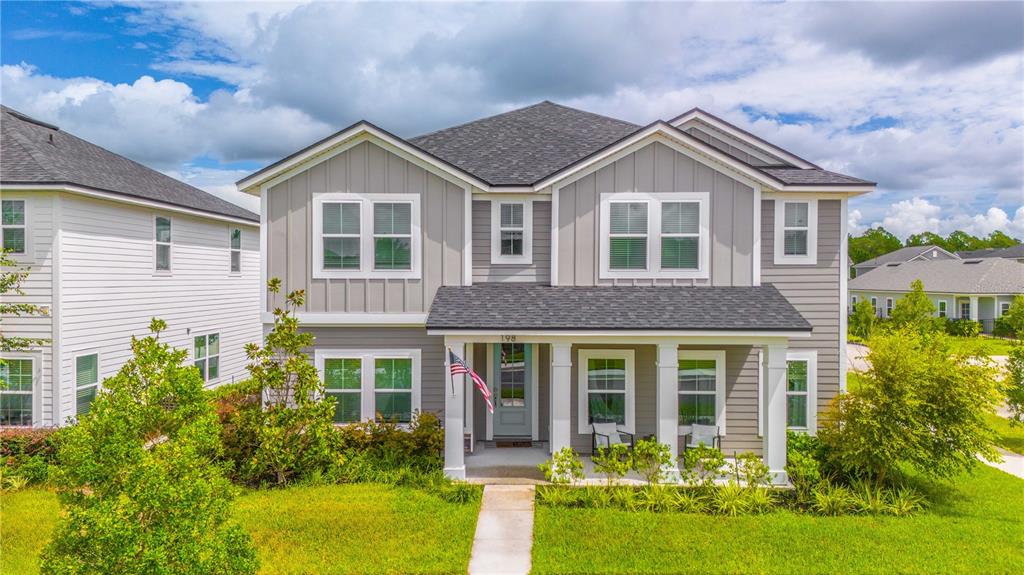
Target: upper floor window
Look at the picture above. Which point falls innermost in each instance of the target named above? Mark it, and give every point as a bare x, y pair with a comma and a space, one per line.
162, 237
796, 231
12, 226
236, 250
366, 235
16, 377
207, 355
654, 235
511, 232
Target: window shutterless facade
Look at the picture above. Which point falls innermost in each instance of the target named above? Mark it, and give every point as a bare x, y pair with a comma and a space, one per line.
366, 236
206, 351
701, 389
17, 375
162, 243
87, 381
796, 231
368, 384
511, 231
606, 388
13, 226
662, 235
235, 240
801, 390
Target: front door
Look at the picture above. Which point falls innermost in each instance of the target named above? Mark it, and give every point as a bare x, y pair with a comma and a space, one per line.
513, 364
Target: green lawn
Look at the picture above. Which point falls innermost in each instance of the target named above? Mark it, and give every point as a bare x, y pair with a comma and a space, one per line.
976, 528
1011, 437
983, 344
332, 529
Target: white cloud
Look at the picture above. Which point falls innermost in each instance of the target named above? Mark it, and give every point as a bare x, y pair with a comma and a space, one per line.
219, 182
919, 215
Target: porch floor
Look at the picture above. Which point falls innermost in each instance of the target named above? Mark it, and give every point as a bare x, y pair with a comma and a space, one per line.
518, 466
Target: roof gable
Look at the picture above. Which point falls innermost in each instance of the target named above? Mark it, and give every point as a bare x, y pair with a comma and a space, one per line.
901, 255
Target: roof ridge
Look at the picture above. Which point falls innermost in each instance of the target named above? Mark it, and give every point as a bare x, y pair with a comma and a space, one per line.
468, 122
588, 112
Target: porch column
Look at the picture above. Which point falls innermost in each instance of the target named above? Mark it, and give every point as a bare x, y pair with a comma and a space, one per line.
454, 398
561, 397
974, 308
667, 402
467, 423
774, 410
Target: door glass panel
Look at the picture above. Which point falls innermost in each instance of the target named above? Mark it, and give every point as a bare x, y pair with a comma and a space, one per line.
512, 384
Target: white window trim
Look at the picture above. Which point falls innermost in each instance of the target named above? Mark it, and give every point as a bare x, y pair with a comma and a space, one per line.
527, 256
719, 393
170, 246
582, 390
961, 309
232, 250
220, 343
321, 365
811, 257
653, 267
888, 306
367, 357
811, 357
874, 305
37, 367
1004, 306
942, 308
29, 254
99, 377
366, 236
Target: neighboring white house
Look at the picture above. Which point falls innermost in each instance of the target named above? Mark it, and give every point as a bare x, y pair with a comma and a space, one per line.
111, 244
907, 254
978, 289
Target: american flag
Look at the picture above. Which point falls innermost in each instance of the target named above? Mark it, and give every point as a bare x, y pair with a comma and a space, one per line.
459, 367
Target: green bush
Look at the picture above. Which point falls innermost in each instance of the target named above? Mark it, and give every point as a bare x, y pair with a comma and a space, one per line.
612, 462
1013, 383
749, 470
1003, 328
690, 501
963, 327
731, 500
703, 465
27, 453
829, 499
656, 498
862, 321
1014, 317
651, 460
421, 443
565, 466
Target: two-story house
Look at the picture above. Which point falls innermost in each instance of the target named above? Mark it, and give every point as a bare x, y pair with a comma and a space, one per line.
110, 244
591, 270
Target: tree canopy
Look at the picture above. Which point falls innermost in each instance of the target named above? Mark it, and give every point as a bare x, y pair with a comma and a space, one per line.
878, 241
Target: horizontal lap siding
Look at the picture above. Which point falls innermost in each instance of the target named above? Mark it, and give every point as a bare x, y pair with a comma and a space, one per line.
539, 271
365, 169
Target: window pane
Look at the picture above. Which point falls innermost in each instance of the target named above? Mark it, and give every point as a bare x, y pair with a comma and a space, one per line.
163, 229
796, 215
511, 243
343, 373
14, 240
699, 409
511, 215
13, 212
213, 368
213, 343
201, 366
393, 373
628, 218
393, 253
200, 346
392, 218
341, 218
236, 239
607, 407
628, 253
606, 374
796, 242
680, 218
331, 218
796, 376
796, 411
86, 370
394, 406
163, 257
697, 375
83, 399
512, 376
347, 407
341, 253
16, 375
15, 409
236, 261
679, 253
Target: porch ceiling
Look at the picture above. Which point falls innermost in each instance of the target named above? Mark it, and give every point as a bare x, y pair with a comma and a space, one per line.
518, 307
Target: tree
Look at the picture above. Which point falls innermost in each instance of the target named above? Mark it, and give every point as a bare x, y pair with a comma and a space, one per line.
138, 478
1014, 383
862, 320
914, 310
998, 239
871, 244
1014, 317
11, 277
961, 241
926, 239
920, 405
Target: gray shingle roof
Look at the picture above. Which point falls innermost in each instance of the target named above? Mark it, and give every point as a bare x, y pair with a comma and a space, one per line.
970, 276
33, 152
1014, 252
524, 146
811, 176
537, 307
900, 255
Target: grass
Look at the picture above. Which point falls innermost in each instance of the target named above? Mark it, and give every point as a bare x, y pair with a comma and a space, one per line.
360, 528
1011, 437
978, 527
985, 345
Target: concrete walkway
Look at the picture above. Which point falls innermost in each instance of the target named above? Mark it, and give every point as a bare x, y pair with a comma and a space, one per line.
504, 531
1012, 463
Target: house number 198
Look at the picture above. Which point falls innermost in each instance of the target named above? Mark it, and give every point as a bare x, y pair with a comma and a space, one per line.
508, 338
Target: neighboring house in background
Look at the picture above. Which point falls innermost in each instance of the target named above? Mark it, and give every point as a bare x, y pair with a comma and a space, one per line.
591, 270
978, 289
111, 244
1012, 253
908, 254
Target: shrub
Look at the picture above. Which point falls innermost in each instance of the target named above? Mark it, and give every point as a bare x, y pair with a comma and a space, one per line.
421, 444
862, 320
963, 327
1013, 383
651, 460
914, 310
656, 498
703, 465
561, 496
600, 497
829, 499
869, 498
690, 501
904, 501
1002, 328
750, 470
731, 500
612, 462
1014, 317
623, 496
804, 474
565, 466
761, 500
28, 453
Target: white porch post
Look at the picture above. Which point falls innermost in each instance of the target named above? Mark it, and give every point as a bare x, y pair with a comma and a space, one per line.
667, 402
774, 409
974, 308
454, 405
561, 386
467, 423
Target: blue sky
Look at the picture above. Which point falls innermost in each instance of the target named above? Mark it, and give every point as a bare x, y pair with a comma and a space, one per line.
925, 99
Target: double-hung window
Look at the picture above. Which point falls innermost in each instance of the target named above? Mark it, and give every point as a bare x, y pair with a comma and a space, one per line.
511, 231
162, 242
13, 226
16, 377
236, 250
942, 308
1003, 308
965, 310
701, 380
801, 375
874, 305
207, 355
87, 381
661, 235
369, 384
366, 236
392, 382
796, 231
606, 388
888, 307
343, 380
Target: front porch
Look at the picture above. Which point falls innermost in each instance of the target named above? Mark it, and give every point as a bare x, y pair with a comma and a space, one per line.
518, 465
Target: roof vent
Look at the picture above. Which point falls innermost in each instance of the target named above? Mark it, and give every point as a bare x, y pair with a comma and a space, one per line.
972, 262
30, 119
893, 264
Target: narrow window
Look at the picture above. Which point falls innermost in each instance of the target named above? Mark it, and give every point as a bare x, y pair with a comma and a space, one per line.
796, 393
16, 392
874, 305
341, 227
888, 307
343, 381
853, 303
680, 235
392, 381
12, 226
87, 380
236, 250
698, 388
965, 309
207, 355
1003, 308
512, 384
513, 229
796, 228
628, 236
163, 243
942, 308
606, 390
392, 236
